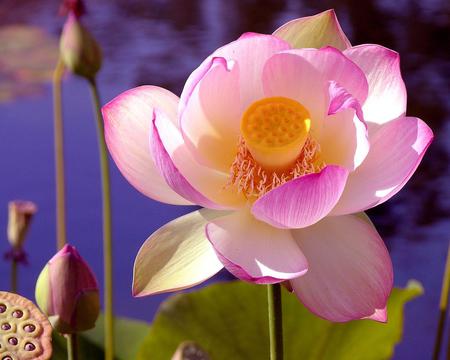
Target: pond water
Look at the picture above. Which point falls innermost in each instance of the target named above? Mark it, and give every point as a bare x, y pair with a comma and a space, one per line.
161, 42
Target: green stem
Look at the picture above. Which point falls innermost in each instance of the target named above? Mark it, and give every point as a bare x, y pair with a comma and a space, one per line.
107, 238
72, 346
59, 157
443, 307
14, 276
275, 321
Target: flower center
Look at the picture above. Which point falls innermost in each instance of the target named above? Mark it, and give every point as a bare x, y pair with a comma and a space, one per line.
252, 180
275, 130
274, 148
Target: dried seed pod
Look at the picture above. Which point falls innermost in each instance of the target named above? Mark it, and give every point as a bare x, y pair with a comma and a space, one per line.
25, 333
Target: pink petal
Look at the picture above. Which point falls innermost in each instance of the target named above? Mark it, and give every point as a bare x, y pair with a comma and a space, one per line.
396, 150
379, 315
127, 127
250, 51
387, 93
170, 172
254, 251
303, 201
216, 94
341, 99
350, 272
344, 140
335, 66
211, 118
176, 256
204, 185
291, 76
314, 32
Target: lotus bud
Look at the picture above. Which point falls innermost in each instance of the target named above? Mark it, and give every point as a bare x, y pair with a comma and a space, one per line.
20, 214
67, 292
80, 52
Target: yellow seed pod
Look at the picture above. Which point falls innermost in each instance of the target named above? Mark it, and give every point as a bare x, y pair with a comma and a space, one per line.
275, 130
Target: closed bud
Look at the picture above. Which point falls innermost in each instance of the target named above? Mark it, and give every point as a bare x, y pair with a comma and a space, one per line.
20, 214
67, 292
80, 52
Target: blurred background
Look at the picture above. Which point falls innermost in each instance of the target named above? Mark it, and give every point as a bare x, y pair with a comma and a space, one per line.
160, 43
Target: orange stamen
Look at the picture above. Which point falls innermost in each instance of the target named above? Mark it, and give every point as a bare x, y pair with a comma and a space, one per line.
251, 179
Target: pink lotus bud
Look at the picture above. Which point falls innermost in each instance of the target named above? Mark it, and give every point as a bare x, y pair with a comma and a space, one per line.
20, 214
79, 50
67, 292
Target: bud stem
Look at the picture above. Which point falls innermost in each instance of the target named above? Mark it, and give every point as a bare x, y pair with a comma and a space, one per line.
107, 238
72, 346
443, 305
275, 321
14, 276
59, 157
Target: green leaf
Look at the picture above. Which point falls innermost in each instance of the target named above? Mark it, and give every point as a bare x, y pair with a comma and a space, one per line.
229, 320
87, 350
129, 336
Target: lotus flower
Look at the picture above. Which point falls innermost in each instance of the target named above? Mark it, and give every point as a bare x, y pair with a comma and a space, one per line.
284, 139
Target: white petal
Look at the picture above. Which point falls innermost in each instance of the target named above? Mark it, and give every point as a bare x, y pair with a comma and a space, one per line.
177, 256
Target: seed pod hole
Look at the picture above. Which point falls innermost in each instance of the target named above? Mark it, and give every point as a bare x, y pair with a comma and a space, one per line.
5, 326
7, 357
2, 308
17, 314
13, 341
29, 328
29, 346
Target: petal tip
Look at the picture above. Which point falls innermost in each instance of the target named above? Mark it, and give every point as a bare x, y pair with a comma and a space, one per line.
324, 25
136, 292
303, 201
380, 315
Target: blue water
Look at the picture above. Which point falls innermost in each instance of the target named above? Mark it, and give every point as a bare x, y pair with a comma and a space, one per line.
160, 42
